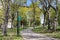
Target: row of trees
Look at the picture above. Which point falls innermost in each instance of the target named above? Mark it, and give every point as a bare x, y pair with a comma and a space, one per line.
11, 7
47, 4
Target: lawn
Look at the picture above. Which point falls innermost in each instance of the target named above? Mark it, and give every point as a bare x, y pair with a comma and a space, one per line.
11, 37
42, 30
11, 34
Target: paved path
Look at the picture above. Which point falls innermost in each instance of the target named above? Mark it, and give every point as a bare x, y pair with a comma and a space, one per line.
28, 34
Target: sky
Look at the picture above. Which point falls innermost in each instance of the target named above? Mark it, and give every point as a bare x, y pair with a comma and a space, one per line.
28, 2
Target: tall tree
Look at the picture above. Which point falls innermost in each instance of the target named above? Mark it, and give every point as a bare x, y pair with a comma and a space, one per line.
33, 12
6, 4
55, 21
45, 9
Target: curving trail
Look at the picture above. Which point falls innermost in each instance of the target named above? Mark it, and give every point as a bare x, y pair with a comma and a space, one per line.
28, 34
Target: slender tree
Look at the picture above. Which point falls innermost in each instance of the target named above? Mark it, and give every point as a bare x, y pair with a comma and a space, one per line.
33, 12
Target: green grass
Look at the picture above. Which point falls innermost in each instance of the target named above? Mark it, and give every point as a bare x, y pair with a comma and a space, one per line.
11, 37
11, 34
42, 30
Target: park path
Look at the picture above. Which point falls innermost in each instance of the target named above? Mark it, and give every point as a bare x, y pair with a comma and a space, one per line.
28, 34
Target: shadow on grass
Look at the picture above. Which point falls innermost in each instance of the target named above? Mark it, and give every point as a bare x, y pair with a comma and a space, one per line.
58, 30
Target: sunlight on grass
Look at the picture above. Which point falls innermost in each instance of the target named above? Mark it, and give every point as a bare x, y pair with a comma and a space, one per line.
11, 34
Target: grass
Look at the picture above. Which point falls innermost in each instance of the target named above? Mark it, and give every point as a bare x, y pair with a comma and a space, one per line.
11, 34
42, 30
11, 37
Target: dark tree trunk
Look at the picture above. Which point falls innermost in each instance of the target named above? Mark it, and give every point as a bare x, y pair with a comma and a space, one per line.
18, 24
13, 16
44, 19
49, 27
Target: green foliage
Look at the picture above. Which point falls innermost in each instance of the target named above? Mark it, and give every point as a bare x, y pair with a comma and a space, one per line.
37, 22
59, 14
40, 29
15, 22
1, 16
14, 37
52, 13
11, 35
14, 8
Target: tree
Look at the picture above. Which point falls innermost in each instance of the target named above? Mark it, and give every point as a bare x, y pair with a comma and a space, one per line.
33, 12
55, 7
43, 7
6, 5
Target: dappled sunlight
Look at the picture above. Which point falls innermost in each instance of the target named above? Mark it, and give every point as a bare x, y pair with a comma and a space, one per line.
29, 19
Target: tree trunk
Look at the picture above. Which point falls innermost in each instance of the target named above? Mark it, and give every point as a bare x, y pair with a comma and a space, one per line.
55, 20
6, 7
18, 23
13, 16
49, 27
44, 19
33, 14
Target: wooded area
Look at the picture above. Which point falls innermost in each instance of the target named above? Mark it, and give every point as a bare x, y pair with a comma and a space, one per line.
21, 14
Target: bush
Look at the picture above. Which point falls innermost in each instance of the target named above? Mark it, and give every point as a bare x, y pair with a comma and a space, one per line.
37, 22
